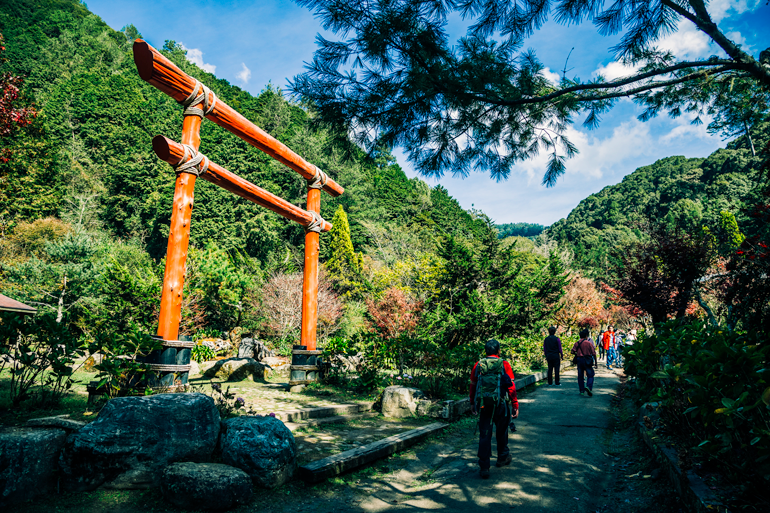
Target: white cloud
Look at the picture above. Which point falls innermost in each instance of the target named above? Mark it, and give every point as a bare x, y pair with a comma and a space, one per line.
244, 75
720, 9
614, 70
195, 55
685, 131
597, 157
552, 77
603, 160
687, 42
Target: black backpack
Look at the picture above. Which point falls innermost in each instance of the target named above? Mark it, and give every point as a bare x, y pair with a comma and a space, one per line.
492, 383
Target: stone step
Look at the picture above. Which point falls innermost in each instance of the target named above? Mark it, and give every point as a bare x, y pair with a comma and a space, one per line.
354, 458
323, 411
339, 419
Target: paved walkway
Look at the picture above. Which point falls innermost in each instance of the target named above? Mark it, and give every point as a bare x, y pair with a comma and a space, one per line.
559, 461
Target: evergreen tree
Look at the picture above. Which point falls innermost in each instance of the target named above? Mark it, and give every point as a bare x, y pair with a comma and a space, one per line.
394, 78
345, 266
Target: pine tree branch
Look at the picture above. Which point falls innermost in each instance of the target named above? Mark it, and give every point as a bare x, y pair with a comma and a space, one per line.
726, 65
656, 85
703, 21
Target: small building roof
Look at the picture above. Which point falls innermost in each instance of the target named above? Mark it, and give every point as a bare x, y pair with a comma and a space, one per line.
11, 305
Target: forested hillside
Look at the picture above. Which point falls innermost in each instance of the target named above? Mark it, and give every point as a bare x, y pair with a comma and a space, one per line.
91, 146
519, 230
85, 209
676, 191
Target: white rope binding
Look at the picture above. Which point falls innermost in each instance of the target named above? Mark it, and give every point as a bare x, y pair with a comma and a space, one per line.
193, 162
316, 224
319, 180
196, 98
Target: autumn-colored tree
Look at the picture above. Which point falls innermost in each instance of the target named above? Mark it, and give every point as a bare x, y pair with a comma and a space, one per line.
281, 307
581, 300
13, 113
588, 322
659, 275
395, 318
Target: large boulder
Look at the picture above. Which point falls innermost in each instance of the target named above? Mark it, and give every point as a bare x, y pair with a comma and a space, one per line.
57, 421
236, 369
214, 486
135, 438
28, 463
400, 401
261, 446
279, 366
252, 348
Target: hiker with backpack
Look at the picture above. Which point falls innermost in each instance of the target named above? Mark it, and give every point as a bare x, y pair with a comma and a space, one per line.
493, 398
585, 358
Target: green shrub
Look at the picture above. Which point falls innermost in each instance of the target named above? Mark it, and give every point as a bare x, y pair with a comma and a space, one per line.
121, 369
42, 352
202, 353
712, 384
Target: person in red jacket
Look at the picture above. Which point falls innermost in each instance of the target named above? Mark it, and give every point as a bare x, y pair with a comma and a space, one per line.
606, 342
609, 346
500, 413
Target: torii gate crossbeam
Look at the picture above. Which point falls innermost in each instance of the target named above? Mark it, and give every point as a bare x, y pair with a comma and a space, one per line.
200, 102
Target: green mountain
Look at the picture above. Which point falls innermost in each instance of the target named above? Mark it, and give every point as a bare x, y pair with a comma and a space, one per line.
88, 156
85, 203
688, 192
519, 230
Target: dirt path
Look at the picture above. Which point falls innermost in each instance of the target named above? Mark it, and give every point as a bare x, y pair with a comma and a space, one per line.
571, 454
559, 462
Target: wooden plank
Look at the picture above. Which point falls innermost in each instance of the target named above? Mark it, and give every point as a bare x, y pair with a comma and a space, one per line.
354, 458
307, 352
160, 72
304, 367
173, 152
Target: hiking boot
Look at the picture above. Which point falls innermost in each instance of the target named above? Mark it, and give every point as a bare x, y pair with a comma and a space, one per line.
503, 462
588, 391
484, 473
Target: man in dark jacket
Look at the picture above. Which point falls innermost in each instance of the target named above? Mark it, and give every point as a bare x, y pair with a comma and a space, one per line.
553, 355
499, 410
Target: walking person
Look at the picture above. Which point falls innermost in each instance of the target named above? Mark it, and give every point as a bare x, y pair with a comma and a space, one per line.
586, 362
493, 398
553, 355
619, 350
600, 340
608, 341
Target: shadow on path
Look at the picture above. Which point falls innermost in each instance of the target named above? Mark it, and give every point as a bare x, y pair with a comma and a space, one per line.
559, 461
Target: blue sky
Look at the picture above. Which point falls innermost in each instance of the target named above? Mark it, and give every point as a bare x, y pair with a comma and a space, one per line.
252, 43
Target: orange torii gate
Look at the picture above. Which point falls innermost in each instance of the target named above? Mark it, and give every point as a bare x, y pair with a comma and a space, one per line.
199, 102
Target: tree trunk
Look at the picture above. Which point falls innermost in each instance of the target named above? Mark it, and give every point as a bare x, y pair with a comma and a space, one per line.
712, 318
60, 308
751, 143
